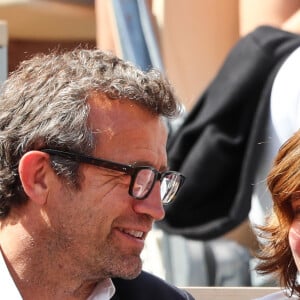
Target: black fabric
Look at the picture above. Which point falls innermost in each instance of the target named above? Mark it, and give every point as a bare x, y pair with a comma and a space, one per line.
218, 144
147, 287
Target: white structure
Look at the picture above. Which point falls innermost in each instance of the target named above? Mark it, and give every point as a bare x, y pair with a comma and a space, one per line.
3, 50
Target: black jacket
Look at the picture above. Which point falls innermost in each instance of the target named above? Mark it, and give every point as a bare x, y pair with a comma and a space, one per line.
147, 287
218, 144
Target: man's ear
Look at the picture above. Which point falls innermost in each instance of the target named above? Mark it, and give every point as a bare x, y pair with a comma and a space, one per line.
33, 170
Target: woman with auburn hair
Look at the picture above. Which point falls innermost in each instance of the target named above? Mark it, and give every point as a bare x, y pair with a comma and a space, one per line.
280, 236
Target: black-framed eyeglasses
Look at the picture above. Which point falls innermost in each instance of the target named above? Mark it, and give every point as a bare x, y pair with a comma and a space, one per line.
143, 178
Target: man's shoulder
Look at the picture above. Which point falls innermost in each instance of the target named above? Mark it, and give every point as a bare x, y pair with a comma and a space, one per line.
147, 286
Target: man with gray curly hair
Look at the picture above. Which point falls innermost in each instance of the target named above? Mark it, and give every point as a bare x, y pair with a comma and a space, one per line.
83, 177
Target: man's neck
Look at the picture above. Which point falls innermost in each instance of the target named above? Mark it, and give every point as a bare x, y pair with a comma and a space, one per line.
41, 285
37, 273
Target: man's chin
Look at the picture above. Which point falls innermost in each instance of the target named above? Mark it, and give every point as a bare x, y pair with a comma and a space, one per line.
132, 274
128, 268
130, 277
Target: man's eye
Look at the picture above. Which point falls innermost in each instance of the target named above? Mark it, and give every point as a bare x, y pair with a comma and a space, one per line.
125, 179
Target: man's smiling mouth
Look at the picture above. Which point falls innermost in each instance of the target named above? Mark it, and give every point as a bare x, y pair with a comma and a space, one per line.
134, 233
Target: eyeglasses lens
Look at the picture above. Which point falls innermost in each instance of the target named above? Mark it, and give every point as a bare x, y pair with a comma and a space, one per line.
143, 183
145, 180
169, 187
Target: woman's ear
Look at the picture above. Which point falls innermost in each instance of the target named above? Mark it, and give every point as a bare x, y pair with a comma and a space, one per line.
33, 170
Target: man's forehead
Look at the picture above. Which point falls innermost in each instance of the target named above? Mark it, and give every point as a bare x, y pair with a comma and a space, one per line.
105, 107
111, 115
100, 100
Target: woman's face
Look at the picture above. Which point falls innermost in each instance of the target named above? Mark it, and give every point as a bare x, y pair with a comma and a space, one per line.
294, 232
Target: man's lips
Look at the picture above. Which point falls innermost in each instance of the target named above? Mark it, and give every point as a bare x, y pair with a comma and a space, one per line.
135, 233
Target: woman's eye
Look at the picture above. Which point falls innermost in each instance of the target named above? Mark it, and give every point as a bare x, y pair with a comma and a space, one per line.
296, 211
296, 208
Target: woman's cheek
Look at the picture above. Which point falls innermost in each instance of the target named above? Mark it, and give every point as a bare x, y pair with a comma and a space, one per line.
294, 241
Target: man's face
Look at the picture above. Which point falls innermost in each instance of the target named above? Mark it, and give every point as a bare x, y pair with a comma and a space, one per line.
103, 226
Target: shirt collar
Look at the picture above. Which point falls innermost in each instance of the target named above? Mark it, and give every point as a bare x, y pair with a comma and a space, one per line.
103, 291
7, 284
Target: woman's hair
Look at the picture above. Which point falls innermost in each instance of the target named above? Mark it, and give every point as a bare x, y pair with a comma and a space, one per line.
283, 182
44, 104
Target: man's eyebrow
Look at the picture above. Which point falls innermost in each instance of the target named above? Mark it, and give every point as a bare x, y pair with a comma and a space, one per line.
148, 163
